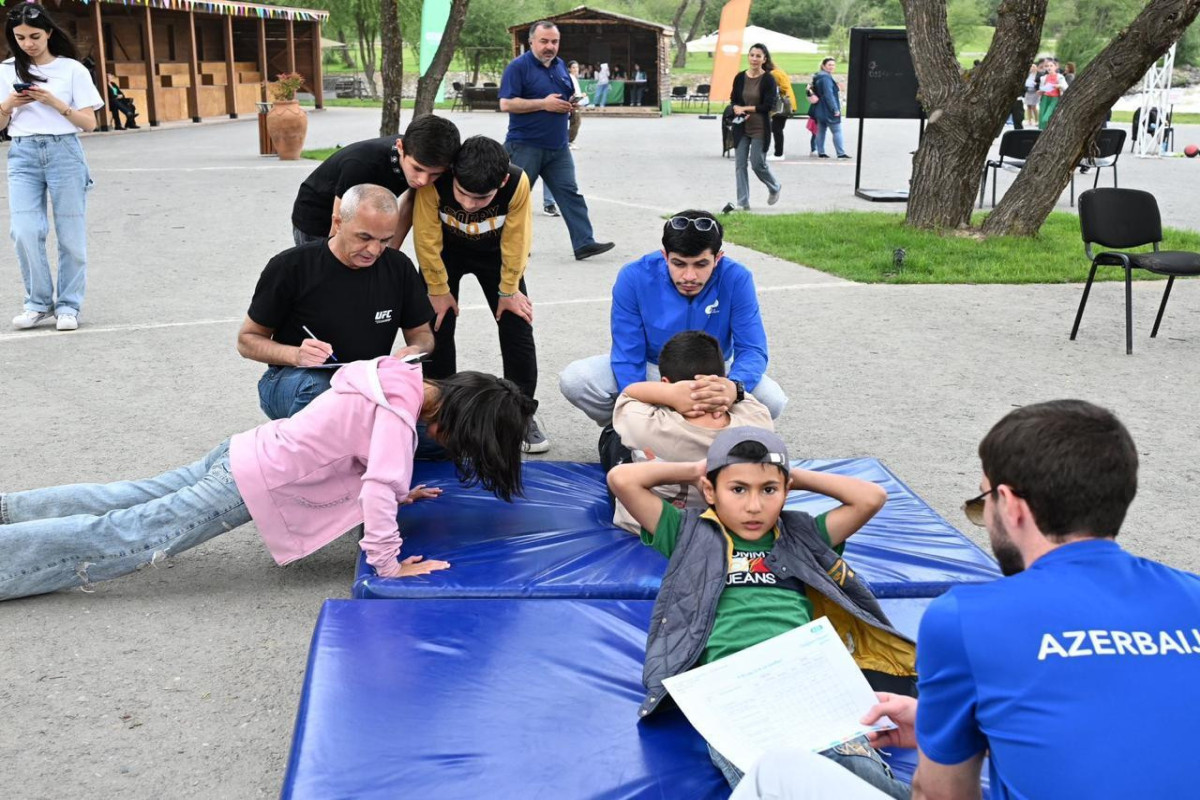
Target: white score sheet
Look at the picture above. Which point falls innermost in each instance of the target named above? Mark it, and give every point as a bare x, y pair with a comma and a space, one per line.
799, 689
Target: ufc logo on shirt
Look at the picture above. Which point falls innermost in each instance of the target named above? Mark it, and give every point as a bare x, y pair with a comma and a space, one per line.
383, 316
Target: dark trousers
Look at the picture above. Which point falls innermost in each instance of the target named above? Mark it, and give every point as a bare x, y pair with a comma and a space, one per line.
119, 106
777, 123
1017, 112
517, 351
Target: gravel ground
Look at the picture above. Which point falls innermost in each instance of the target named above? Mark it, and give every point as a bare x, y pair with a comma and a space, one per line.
183, 681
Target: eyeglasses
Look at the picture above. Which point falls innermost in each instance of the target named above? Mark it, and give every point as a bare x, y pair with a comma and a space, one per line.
702, 224
973, 508
24, 11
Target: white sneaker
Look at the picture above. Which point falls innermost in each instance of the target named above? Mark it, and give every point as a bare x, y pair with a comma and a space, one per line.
67, 322
29, 319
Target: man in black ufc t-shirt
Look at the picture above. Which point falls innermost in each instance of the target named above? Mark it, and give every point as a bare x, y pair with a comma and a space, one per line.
335, 301
396, 163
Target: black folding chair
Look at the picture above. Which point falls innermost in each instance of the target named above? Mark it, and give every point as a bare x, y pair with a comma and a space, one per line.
680, 93
1109, 144
1014, 149
458, 94
1123, 219
701, 93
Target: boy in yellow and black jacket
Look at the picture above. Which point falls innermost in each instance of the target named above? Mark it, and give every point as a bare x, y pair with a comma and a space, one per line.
476, 219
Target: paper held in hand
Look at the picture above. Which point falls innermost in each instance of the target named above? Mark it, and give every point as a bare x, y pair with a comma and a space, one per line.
800, 689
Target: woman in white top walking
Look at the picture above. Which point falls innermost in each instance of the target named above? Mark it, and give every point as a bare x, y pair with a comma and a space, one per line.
53, 98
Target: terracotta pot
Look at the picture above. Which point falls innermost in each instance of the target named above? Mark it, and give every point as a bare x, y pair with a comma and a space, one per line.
287, 125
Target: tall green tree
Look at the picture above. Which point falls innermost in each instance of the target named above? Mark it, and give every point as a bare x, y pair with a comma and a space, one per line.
393, 67
1122, 62
427, 85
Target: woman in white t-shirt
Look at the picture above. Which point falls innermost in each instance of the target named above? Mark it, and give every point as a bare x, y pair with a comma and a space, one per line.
53, 98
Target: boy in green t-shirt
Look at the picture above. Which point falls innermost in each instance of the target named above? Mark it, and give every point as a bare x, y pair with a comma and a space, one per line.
745, 480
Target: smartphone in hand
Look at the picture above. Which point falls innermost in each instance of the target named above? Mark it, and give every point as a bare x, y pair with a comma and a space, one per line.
21, 86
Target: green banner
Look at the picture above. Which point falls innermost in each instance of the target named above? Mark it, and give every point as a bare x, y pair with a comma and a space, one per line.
434, 15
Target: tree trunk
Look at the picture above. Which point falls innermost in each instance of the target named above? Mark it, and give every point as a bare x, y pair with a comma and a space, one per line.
366, 51
427, 84
1082, 111
964, 110
680, 42
346, 59
393, 67
681, 57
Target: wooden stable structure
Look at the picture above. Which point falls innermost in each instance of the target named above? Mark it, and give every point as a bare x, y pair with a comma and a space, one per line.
191, 59
591, 36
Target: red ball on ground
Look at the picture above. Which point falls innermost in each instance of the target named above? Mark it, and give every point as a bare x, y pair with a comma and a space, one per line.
1191, 151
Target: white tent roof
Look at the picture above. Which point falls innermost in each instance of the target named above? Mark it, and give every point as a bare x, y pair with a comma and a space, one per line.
775, 42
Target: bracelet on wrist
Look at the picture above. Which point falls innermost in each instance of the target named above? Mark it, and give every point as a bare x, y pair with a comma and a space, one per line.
509, 294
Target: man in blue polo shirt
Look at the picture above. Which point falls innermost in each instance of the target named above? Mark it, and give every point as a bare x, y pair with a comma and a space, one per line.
538, 95
1078, 675
690, 284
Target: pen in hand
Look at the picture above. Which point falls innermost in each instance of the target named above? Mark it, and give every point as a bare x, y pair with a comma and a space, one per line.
312, 335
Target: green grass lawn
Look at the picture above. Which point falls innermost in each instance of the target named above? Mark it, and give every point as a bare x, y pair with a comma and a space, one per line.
859, 245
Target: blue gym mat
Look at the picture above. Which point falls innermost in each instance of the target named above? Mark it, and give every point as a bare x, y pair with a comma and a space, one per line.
464, 698
558, 540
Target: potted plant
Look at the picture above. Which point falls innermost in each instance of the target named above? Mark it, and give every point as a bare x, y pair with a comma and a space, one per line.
287, 123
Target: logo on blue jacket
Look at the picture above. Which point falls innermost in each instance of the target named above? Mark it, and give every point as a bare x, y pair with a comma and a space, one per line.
712, 309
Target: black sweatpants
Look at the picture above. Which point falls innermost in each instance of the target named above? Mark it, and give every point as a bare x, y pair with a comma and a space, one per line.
517, 351
777, 123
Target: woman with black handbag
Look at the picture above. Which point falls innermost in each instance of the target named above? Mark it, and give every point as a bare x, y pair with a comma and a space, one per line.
753, 99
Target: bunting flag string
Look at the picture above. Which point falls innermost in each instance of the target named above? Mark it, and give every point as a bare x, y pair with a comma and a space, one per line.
227, 8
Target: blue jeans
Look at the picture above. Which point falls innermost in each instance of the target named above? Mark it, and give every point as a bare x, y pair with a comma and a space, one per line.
754, 151
602, 94
856, 755
589, 385
69, 536
557, 169
836, 128
285, 391
54, 166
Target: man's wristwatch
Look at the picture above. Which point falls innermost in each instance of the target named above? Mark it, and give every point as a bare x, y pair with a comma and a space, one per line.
741, 391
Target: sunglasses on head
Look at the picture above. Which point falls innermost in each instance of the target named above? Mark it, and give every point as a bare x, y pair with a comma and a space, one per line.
702, 224
25, 12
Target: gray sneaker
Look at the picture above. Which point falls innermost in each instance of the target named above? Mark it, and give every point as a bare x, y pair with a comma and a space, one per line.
535, 440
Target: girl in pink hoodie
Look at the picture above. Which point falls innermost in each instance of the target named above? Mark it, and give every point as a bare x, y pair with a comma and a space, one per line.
345, 460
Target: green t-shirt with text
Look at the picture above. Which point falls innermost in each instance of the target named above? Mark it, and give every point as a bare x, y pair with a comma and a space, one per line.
755, 604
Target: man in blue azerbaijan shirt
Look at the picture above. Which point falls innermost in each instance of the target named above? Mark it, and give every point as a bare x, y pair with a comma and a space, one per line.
538, 95
1079, 675
1074, 674
688, 285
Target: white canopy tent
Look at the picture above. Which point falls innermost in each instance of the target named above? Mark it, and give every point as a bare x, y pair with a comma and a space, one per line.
775, 42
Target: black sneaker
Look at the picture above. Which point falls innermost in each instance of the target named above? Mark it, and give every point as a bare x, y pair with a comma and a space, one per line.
593, 249
551, 211
822, 155
728, 209
535, 440
844, 156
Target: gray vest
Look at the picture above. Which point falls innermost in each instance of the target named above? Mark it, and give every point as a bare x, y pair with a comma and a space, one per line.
687, 602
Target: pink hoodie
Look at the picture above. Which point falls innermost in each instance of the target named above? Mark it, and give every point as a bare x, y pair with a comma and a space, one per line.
345, 460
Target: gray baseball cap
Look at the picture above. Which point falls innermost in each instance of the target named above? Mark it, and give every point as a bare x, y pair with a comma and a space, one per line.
726, 440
